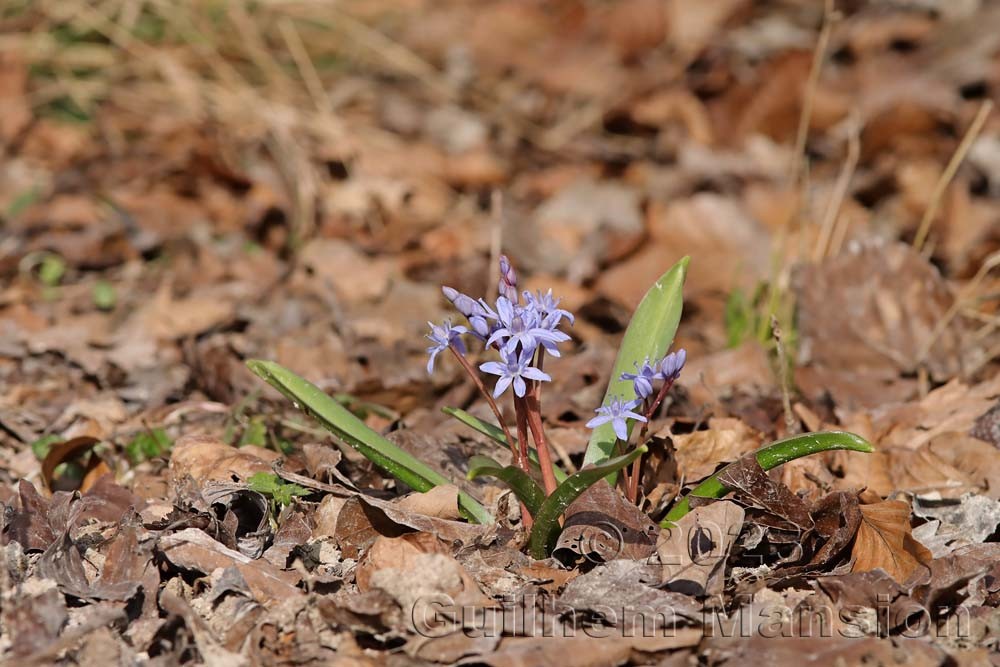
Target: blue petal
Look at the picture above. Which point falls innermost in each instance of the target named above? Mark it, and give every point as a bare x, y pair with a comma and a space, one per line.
598, 421
621, 430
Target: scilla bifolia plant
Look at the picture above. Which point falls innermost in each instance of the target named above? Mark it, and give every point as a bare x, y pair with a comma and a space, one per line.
518, 331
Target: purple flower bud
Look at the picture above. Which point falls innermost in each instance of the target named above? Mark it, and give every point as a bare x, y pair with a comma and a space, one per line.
480, 327
670, 367
507, 286
643, 378
463, 303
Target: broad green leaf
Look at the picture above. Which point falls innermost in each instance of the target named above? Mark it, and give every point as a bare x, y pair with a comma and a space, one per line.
496, 433
525, 488
649, 334
770, 457
341, 422
546, 529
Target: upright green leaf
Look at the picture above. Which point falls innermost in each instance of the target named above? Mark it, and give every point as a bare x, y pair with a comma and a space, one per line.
771, 457
495, 433
650, 334
341, 422
545, 532
525, 488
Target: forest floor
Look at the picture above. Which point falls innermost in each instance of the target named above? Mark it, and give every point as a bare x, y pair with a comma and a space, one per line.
188, 185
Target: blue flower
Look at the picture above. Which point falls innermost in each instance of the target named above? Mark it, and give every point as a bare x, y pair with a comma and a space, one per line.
670, 367
522, 325
443, 336
548, 307
643, 378
514, 371
617, 412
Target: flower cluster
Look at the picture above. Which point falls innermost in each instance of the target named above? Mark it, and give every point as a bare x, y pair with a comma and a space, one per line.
619, 410
521, 328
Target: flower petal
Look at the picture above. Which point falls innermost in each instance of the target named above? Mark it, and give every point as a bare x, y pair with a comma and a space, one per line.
493, 368
621, 429
599, 420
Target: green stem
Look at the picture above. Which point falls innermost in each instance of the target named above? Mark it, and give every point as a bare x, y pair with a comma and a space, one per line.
771, 457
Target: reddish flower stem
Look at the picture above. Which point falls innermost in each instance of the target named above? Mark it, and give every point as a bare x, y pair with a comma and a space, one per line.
632, 485
488, 396
520, 455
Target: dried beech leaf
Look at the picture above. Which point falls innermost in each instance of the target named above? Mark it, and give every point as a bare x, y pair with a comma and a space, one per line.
884, 541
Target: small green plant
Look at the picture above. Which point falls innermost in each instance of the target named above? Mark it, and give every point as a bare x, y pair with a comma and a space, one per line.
278, 490
522, 329
104, 295
149, 444
40, 448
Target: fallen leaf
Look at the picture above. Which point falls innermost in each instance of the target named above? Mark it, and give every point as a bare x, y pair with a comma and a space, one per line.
953, 524
693, 552
206, 459
441, 502
192, 549
601, 525
701, 452
884, 541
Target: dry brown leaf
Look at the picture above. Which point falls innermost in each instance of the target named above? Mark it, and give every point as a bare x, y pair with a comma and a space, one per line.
693, 553
884, 541
194, 550
701, 452
206, 459
440, 502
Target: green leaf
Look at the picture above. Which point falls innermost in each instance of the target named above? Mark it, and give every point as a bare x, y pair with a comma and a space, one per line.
278, 489
255, 433
148, 445
342, 423
51, 270
770, 457
496, 433
546, 529
525, 488
104, 295
737, 317
649, 334
40, 448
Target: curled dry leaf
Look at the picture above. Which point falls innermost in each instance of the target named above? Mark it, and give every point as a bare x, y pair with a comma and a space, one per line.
884, 540
954, 524
774, 497
440, 502
693, 553
79, 448
601, 525
191, 549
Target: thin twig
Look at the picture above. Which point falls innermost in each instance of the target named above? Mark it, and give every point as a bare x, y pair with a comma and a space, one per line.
791, 423
949, 173
991, 263
824, 245
805, 118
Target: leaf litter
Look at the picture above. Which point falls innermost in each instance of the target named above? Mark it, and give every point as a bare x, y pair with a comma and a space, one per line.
183, 190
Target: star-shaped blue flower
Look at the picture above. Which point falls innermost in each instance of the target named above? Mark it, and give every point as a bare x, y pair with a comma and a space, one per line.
522, 325
643, 378
443, 336
617, 412
514, 371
